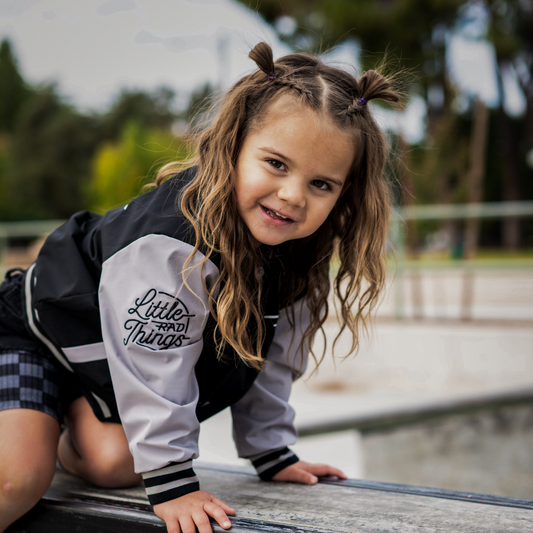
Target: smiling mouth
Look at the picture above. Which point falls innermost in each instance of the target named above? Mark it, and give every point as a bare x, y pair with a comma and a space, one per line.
275, 215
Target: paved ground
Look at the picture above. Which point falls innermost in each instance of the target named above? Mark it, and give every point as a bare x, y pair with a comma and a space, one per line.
497, 293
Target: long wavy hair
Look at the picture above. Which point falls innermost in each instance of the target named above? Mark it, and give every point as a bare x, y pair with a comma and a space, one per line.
355, 231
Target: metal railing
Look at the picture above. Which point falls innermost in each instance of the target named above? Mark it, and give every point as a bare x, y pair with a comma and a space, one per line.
30, 228
401, 215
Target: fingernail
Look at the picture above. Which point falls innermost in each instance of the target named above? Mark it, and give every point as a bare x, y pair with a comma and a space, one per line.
227, 524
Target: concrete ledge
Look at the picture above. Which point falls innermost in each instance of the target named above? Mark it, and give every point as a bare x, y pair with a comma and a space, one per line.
404, 416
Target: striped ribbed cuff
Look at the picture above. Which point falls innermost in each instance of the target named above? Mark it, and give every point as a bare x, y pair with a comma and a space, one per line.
170, 482
270, 463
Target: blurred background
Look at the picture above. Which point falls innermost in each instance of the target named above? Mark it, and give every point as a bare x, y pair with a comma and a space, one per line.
95, 96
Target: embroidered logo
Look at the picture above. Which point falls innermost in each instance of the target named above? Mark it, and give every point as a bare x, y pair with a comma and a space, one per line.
159, 321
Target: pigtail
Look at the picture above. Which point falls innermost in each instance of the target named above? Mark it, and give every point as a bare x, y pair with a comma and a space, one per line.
282, 77
373, 85
264, 59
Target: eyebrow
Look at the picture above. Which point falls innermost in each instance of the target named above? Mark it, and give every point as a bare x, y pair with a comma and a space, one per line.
285, 158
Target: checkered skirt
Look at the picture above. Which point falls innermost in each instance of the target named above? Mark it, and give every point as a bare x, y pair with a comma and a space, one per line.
29, 381
29, 377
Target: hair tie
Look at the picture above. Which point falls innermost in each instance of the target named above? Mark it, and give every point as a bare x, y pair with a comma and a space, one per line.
271, 76
362, 101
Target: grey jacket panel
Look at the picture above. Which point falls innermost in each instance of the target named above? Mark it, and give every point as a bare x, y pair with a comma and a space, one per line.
263, 420
152, 325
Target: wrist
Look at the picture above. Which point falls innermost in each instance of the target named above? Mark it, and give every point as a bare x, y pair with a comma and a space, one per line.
268, 464
170, 482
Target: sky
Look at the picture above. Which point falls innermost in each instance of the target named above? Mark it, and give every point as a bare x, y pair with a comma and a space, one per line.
94, 48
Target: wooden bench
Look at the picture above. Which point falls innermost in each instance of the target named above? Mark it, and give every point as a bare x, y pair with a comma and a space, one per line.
70, 505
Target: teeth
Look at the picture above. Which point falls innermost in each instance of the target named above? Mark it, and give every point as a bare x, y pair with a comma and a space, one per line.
271, 212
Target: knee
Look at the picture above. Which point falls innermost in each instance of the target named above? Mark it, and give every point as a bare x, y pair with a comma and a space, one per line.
111, 465
23, 486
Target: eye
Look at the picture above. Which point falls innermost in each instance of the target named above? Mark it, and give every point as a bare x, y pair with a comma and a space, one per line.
276, 164
322, 185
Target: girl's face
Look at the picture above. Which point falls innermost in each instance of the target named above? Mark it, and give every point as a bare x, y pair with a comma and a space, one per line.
290, 173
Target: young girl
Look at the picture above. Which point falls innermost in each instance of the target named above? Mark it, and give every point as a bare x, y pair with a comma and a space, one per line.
204, 293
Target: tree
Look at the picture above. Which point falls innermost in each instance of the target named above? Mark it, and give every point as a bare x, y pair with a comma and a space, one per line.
52, 149
13, 90
121, 168
149, 110
510, 32
199, 104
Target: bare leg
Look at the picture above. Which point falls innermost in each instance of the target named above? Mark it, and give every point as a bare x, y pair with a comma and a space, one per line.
28, 447
97, 451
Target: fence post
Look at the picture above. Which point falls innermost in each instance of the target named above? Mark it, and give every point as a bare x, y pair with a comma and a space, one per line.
3, 246
398, 242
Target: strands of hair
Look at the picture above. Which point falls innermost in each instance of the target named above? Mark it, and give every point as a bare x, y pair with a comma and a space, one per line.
355, 231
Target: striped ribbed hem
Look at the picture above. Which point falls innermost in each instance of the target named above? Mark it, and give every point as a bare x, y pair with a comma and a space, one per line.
170, 482
270, 463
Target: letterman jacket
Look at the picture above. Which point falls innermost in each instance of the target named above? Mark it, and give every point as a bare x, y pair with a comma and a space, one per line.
107, 297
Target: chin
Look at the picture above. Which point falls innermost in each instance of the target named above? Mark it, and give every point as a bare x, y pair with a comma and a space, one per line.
270, 240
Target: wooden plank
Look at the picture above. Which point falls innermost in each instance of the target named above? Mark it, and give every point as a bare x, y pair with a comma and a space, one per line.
332, 506
82, 517
347, 508
487, 499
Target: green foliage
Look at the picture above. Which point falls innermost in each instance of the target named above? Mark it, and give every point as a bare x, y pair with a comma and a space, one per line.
510, 28
404, 27
149, 110
55, 161
52, 149
6, 204
199, 104
121, 168
13, 91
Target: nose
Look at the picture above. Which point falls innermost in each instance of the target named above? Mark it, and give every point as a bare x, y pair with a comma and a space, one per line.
292, 191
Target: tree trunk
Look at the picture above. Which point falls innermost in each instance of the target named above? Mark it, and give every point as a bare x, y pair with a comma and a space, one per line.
412, 244
510, 142
478, 148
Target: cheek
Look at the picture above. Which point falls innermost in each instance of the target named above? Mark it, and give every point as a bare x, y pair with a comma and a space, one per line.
249, 188
322, 212
327, 209
239, 198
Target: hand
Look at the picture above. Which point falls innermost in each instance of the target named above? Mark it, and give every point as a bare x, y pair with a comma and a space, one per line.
307, 473
185, 514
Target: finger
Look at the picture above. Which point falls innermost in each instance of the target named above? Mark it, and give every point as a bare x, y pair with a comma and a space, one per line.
296, 474
173, 526
302, 476
202, 523
325, 470
187, 525
227, 509
216, 512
